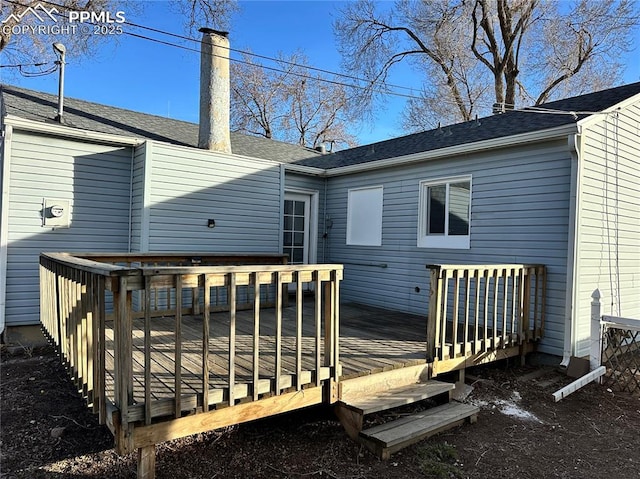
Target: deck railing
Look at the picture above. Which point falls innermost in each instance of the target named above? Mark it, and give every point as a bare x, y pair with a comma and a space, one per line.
475, 309
125, 353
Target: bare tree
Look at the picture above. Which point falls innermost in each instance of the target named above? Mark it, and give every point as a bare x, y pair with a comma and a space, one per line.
287, 103
205, 13
30, 27
474, 53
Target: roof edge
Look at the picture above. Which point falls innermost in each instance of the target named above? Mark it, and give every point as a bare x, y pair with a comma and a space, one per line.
305, 170
597, 116
493, 143
69, 132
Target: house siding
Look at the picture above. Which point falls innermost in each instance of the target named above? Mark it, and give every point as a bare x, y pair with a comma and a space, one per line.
137, 198
519, 214
96, 179
609, 222
190, 186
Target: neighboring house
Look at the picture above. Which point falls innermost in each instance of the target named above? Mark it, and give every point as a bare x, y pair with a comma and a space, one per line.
558, 185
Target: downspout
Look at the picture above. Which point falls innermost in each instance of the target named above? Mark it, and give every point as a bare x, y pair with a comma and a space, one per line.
325, 230
572, 287
4, 221
133, 149
283, 179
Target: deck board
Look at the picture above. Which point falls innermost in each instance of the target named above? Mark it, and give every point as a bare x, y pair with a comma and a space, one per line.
371, 340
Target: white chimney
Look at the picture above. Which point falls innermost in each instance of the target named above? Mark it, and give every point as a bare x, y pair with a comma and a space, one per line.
214, 91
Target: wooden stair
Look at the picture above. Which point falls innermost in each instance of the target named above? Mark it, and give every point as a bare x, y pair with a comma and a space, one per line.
392, 389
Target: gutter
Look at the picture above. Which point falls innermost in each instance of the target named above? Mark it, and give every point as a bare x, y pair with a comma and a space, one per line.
68, 132
4, 221
493, 143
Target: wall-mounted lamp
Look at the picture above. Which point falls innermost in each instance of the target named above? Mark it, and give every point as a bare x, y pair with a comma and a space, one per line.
211, 223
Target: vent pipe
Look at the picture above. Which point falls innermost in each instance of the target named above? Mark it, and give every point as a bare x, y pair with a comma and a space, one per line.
214, 91
61, 50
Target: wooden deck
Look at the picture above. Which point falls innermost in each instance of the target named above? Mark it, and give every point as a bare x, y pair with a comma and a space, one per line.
167, 345
372, 340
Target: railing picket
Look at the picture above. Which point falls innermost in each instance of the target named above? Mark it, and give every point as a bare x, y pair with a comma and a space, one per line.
84, 344
318, 324
278, 356
87, 311
523, 305
433, 319
496, 289
299, 297
446, 351
485, 316
178, 346
456, 312
476, 316
147, 350
543, 295
336, 324
232, 299
467, 287
256, 336
206, 318
102, 349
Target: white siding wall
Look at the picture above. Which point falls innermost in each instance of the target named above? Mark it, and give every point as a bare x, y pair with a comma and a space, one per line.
609, 223
519, 214
96, 181
189, 186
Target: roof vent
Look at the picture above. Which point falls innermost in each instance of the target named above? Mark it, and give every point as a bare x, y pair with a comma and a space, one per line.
503, 107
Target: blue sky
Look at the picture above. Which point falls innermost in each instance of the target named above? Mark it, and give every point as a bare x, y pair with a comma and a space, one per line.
145, 76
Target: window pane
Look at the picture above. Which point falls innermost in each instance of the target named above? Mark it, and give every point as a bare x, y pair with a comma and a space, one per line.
298, 208
298, 255
298, 224
435, 223
286, 238
288, 223
459, 199
288, 207
298, 239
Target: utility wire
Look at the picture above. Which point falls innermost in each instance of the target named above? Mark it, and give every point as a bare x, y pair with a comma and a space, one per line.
383, 87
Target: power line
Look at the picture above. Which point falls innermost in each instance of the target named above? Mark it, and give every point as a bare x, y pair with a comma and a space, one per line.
278, 70
28, 74
278, 60
383, 87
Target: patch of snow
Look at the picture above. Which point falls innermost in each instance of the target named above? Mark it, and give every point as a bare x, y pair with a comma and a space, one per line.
507, 407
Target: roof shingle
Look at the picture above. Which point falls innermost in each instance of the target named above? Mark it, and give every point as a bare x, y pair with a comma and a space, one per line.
38, 106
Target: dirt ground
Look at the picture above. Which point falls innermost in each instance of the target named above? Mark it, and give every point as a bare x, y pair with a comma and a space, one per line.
47, 432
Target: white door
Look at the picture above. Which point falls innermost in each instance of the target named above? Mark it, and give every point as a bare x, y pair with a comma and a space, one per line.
296, 230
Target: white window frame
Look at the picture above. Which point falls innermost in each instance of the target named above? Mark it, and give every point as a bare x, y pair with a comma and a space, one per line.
364, 219
445, 240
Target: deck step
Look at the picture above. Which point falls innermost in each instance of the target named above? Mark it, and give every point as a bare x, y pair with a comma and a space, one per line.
390, 437
396, 397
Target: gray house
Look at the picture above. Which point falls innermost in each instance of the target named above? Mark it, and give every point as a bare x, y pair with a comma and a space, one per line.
557, 185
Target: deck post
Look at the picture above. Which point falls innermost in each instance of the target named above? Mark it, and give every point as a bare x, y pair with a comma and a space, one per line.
147, 462
595, 353
435, 285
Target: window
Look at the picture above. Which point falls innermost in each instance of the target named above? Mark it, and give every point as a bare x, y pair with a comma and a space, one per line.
444, 213
364, 216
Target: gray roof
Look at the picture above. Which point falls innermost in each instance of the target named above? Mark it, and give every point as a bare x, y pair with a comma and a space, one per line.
496, 126
85, 115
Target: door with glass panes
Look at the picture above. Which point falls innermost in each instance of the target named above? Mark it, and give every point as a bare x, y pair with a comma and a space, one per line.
295, 232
